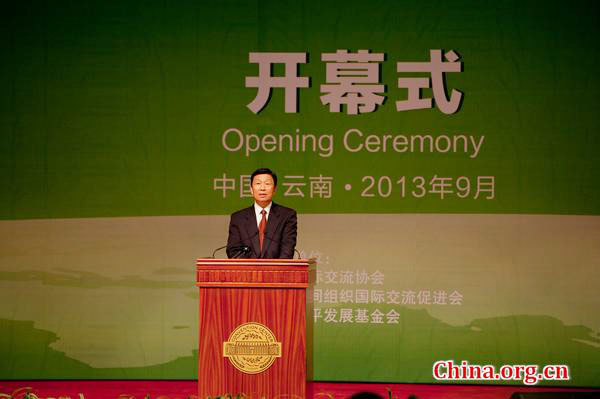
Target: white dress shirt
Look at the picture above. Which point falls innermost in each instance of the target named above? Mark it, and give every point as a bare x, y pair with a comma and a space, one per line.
258, 210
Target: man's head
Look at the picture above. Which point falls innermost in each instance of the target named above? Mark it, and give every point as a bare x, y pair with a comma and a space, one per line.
263, 184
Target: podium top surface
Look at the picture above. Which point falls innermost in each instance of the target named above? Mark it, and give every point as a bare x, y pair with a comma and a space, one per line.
254, 262
258, 273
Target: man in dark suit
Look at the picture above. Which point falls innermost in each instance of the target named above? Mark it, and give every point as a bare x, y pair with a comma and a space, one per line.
264, 230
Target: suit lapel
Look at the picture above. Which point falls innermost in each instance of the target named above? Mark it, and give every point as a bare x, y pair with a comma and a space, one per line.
272, 223
252, 231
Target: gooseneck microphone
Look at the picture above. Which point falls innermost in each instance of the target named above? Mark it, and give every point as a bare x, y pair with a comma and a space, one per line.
277, 242
239, 247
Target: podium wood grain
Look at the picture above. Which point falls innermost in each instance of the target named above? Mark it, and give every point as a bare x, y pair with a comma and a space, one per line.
269, 292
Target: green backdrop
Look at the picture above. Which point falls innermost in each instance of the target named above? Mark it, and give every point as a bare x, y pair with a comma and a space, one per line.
112, 122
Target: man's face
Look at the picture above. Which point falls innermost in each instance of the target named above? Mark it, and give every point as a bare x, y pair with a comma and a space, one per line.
263, 188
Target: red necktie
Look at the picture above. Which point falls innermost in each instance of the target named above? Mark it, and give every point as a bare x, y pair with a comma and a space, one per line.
262, 227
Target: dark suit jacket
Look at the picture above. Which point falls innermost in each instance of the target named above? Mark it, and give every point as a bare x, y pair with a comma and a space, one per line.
280, 234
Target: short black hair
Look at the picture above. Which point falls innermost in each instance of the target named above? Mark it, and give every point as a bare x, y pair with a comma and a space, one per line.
264, 171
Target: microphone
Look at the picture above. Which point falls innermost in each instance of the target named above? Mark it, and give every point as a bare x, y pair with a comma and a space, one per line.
243, 249
217, 250
271, 239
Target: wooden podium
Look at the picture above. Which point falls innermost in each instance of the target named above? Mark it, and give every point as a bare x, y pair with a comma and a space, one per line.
252, 327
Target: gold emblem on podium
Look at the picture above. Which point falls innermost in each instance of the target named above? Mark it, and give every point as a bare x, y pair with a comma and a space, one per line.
252, 348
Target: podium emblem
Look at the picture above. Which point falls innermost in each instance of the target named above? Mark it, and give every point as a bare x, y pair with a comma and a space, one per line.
252, 348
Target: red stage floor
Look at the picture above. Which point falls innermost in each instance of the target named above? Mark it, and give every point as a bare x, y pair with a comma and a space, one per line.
187, 389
